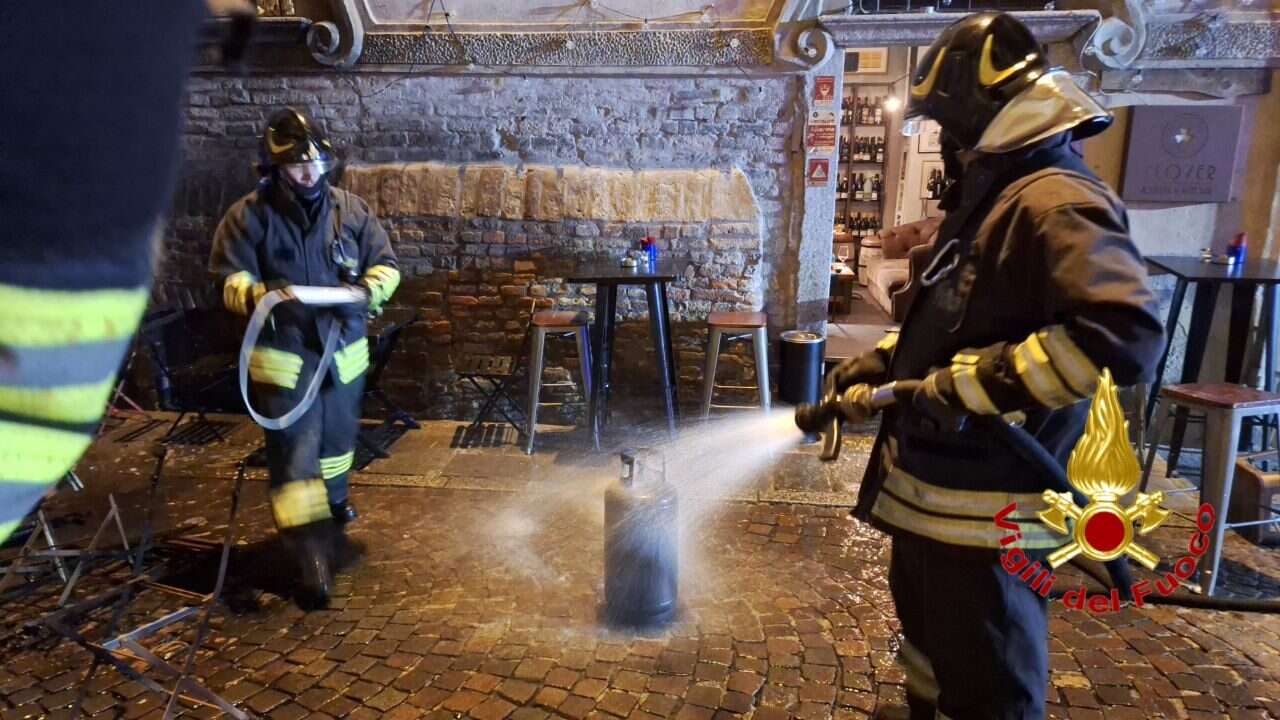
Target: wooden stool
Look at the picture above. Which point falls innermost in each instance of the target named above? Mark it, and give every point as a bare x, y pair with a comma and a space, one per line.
542, 324
1225, 406
736, 326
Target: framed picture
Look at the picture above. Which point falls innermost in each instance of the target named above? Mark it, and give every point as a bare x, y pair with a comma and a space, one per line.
929, 169
930, 138
866, 61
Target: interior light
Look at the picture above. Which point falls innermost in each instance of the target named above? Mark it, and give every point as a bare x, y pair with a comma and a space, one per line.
892, 103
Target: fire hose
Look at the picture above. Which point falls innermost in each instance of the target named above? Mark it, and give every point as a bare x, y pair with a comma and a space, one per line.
307, 295
857, 403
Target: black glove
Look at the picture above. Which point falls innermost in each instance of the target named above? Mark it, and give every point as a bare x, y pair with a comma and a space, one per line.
868, 368
937, 401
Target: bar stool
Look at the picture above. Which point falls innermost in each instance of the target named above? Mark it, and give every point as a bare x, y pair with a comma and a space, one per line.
1225, 407
736, 326
554, 323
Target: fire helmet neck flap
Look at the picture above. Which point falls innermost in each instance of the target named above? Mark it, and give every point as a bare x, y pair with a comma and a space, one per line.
291, 138
987, 82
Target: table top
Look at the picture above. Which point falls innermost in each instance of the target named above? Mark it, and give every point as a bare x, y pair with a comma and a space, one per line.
610, 272
1192, 268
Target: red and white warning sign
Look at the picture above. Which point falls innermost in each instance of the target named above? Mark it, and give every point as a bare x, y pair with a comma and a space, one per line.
819, 172
820, 134
824, 91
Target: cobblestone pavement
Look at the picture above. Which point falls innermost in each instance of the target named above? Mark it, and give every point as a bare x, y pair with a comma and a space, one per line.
479, 592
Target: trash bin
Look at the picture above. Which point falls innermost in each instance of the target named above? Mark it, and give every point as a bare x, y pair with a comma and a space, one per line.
800, 366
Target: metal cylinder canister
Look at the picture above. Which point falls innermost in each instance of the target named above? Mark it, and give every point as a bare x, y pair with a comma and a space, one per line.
641, 544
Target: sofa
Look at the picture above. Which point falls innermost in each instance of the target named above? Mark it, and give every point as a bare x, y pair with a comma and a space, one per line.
893, 275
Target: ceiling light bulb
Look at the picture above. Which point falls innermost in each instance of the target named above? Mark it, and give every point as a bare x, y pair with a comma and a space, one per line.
734, 43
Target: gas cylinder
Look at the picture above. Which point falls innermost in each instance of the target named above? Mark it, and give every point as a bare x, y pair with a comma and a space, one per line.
641, 544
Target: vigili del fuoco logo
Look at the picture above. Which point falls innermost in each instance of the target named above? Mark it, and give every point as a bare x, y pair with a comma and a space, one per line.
1104, 469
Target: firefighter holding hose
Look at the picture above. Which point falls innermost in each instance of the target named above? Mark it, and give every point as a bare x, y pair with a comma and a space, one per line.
297, 229
1034, 286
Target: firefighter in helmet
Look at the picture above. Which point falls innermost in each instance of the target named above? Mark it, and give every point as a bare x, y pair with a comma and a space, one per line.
1034, 286
298, 229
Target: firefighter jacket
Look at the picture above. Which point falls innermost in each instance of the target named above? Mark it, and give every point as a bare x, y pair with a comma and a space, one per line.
1034, 287
266, 241
87, 167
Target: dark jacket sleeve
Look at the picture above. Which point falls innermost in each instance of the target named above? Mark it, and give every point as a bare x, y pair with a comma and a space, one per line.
381, 271
234, 259
1102, 316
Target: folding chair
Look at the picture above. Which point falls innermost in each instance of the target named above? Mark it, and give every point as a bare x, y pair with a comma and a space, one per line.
194, 364
377, 441
499, 372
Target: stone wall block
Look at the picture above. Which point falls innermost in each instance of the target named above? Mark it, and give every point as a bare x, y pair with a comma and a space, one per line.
513, 196
441, 190
661, 196
544, 194
412, 179
580, 188
732, 198
390, 185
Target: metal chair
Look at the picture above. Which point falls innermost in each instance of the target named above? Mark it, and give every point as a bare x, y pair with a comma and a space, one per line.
1225, 407
542, 324
732, 326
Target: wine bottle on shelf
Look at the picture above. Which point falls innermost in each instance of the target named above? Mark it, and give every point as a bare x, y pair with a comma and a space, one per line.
862, 111
844, 151
875, 187
879, 150
879, 117
842, 187
862, 186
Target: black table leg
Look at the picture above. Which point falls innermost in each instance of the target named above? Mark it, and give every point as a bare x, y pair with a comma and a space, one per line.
1242, 295
612, 325
1170, 325
658, 327
672, 369
1272, 329
1197, 339
598, 361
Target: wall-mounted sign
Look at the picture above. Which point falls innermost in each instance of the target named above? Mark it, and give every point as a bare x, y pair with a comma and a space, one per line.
866, 61
824, 91
1181, 153
819, 173
820, 134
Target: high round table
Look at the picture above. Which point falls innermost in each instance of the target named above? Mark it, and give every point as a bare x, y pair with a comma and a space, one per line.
607, 276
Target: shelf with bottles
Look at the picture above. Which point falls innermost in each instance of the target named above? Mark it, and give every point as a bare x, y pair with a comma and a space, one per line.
862, 150
856, 227
862, 111
860, 188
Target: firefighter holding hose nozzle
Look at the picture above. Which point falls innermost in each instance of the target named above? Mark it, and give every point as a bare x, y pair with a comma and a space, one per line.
1033, 288
298, 230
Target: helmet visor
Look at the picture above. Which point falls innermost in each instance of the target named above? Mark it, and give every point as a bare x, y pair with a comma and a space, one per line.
913, 126
307, 174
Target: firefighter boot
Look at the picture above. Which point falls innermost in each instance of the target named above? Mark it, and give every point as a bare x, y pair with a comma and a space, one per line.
310, 547
343, 512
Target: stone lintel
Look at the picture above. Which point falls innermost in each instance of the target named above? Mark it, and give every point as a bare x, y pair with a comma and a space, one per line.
1228, 83
878, 30
1211, 40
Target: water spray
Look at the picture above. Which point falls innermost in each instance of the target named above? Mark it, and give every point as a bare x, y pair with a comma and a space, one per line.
641, 544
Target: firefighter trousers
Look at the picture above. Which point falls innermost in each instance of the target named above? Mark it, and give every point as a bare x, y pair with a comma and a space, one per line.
310, 461
976, 639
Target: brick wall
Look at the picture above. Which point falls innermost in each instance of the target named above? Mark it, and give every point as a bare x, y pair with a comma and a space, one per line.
468, 270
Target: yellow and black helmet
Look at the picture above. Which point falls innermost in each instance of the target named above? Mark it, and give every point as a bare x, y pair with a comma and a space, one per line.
292, 138
978, 67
